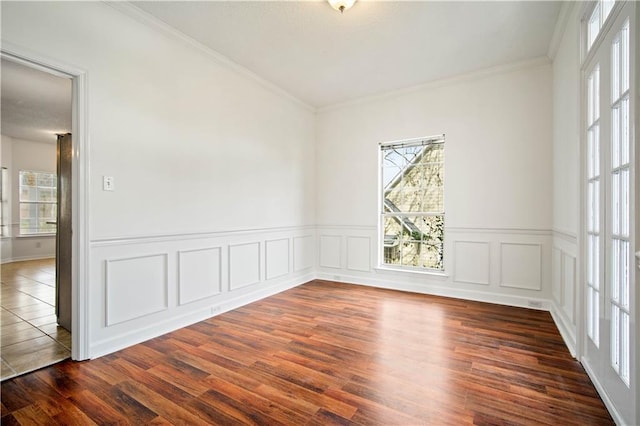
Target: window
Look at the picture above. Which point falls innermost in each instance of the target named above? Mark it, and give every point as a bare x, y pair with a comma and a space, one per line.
412, 203
38, 207
620, 171
593, 206
597, 19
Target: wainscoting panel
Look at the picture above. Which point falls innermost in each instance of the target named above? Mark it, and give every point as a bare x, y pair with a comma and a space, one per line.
303, 252
277, 258
244, 265
199, 274
569, 286
330, 251
477, 261
135, 287
556, 272
359, 253
564, 286
521, 265
471, 262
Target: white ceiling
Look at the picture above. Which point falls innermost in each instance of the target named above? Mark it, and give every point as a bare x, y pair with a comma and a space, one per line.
35, 105
322, 57
313, 52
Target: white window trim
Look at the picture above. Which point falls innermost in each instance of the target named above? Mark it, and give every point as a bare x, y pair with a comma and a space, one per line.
385, 267
586, 52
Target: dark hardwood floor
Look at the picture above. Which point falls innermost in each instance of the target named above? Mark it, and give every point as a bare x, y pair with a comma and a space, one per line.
327, 353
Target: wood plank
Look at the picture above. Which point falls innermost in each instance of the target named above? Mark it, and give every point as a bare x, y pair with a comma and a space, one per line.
254, 406
163, 406
32, 415
134, 411
153, 383
46, 397
99, 410
72, 415
14, 397
326, 418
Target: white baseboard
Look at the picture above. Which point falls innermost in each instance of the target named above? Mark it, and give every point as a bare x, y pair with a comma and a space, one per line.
566, 330
26, 258
435, 290
617, 418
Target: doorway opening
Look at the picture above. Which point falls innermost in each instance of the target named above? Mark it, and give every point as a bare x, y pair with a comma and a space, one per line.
36, 304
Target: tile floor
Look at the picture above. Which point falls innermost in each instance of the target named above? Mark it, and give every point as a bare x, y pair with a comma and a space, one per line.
30, 337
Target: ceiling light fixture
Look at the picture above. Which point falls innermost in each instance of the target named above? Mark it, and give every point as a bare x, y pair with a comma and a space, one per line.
341, 5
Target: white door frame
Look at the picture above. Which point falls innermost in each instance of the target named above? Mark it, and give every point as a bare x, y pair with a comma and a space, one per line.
599, 370
79, 184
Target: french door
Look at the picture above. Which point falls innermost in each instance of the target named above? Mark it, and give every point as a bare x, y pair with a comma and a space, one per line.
609, 81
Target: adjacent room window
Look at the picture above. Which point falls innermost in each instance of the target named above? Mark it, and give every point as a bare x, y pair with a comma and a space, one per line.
38, 207
412, 203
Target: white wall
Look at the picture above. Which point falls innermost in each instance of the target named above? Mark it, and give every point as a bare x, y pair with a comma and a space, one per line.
498, 175
566, 173
214, 172
18, 154
566, 128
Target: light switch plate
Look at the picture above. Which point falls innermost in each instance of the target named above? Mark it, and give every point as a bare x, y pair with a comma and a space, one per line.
108, 183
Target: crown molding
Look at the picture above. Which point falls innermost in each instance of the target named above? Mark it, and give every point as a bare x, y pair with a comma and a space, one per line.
448, 81
560, 28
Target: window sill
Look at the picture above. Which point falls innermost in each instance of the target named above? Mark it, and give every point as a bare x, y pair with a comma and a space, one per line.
36, 235
439, 274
